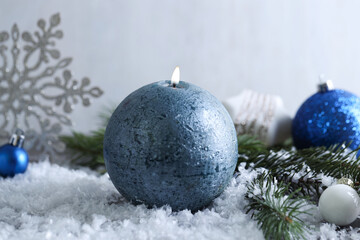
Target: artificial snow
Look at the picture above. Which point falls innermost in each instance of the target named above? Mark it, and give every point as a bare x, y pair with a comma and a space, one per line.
53, 202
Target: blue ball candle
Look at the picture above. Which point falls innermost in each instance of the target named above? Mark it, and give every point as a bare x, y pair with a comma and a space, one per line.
170, 143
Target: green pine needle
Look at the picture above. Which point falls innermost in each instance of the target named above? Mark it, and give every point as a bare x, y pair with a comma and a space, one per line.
277, 215
308, 163
248, 145
87, 149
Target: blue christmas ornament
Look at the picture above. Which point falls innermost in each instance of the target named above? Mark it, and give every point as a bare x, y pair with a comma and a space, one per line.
13, 158
331, 116
169, 143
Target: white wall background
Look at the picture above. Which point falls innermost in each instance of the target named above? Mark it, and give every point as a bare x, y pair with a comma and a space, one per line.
277, 46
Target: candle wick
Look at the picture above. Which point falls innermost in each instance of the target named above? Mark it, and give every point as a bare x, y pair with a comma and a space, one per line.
174, 85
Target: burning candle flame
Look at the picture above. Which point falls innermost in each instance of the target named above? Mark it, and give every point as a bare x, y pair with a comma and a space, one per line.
175, 77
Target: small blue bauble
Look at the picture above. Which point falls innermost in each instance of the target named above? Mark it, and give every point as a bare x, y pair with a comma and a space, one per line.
170, 145
13, 158
331, 116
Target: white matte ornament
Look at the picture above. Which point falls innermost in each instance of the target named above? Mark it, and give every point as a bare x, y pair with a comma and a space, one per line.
339, 204
260, 115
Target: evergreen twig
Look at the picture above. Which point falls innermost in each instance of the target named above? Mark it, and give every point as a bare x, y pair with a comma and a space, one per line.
277, 215
306, 165
88, 149
248, 145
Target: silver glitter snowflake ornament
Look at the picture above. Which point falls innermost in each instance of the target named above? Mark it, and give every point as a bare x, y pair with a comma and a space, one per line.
36, 90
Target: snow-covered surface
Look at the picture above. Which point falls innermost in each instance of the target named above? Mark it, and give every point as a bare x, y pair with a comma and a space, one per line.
53, 202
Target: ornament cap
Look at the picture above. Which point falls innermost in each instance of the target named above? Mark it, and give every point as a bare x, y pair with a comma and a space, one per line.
326, 86
346, 181
17, 139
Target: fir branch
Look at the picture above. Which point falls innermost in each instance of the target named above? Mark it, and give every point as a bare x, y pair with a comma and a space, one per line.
87, 149
335, 161
306, 165
248, 144
277, 215
249, 147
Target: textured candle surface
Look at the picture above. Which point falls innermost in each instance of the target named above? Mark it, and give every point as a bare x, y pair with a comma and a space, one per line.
175, 146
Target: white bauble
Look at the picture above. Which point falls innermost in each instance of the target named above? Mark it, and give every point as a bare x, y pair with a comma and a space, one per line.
261, 115
339, 204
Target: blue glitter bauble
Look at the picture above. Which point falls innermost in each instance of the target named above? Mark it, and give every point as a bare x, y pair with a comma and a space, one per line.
175, 146
328, 118
13, 160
